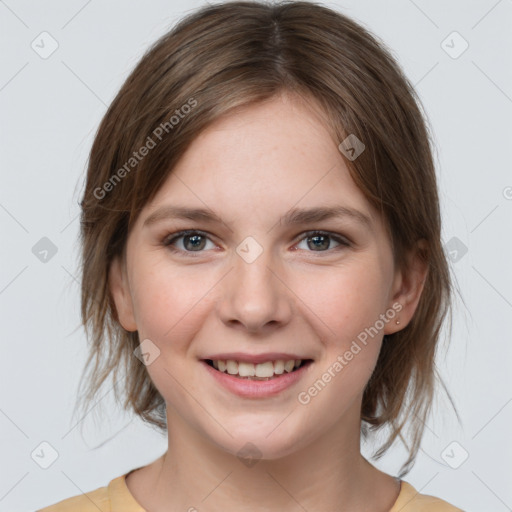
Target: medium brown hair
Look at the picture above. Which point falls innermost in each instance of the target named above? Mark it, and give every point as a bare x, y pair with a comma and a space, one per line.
229, 56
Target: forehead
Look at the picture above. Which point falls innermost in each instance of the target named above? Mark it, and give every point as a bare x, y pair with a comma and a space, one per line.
260, 160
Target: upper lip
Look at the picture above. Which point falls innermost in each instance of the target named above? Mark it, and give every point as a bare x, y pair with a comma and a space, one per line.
255, 358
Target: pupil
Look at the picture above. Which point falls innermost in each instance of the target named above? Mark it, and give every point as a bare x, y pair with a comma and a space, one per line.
317, 238
196, 240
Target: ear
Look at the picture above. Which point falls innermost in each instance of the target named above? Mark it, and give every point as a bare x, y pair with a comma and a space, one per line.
407, 287
120, 291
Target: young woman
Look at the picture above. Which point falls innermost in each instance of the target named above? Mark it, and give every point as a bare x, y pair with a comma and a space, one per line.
263, 272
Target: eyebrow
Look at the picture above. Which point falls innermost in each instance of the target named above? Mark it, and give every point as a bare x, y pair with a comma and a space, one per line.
294, 216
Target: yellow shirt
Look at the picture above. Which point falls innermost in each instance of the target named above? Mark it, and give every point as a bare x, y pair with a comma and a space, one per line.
116, 497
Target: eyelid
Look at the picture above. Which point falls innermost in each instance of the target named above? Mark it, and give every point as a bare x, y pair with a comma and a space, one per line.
337, 237
341, 239
178, 234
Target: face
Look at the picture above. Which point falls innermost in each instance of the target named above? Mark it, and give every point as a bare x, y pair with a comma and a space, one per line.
261, 281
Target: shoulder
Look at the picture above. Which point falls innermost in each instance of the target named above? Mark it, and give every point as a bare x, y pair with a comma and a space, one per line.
115, 497
87, 502
410, 500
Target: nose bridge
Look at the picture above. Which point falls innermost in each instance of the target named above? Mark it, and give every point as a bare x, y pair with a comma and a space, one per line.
253, 295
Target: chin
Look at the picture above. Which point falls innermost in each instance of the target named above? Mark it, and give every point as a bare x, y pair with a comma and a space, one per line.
268, 440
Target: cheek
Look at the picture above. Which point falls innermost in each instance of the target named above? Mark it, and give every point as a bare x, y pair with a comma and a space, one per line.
170, 307
347, 307
167, 303
348, 300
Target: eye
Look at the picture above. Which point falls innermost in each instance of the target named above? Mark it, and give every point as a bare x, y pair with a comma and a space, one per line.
190, 241
320, 241
194, 241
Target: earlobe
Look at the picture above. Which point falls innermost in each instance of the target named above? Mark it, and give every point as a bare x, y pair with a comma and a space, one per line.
408, 287
120, 291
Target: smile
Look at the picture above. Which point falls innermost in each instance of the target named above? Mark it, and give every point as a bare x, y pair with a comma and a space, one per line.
261, 380
261, 371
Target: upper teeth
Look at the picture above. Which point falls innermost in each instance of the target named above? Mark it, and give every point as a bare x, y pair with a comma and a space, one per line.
266, 369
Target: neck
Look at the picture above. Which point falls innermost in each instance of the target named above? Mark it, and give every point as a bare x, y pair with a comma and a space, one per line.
326, 474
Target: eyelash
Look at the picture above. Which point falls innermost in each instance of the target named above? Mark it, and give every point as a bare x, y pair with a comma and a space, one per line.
173, 237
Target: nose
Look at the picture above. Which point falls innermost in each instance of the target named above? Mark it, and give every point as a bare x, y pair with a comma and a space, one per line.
254, 296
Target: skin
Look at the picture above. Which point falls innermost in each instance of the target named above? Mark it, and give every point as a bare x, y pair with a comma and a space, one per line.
251, 168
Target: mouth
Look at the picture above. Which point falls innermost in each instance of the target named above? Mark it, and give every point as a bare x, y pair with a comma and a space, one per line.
261, 376
268, 370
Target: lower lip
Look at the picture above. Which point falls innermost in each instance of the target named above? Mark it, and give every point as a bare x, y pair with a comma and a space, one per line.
257, 388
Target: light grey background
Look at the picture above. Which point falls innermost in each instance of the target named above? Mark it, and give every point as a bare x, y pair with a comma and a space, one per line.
50, 109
